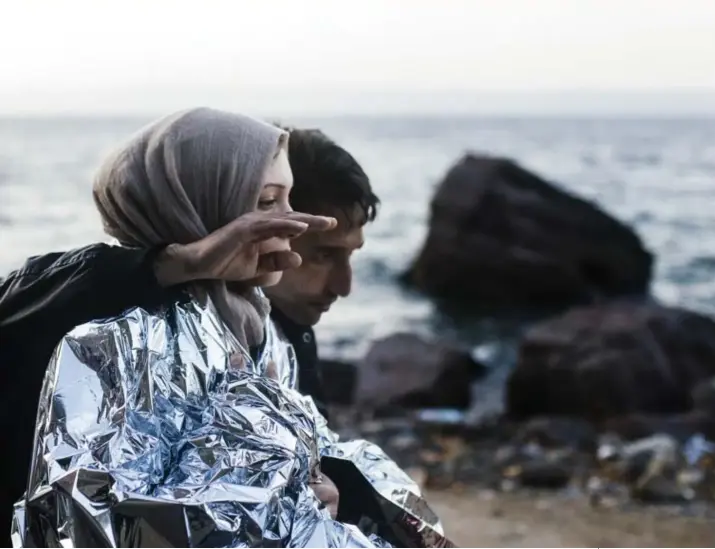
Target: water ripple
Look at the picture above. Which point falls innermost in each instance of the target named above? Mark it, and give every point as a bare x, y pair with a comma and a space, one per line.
657, 175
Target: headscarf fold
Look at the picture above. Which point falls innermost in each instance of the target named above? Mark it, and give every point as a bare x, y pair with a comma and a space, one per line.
183, 177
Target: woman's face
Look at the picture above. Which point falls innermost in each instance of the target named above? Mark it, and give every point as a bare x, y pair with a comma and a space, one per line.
276, 185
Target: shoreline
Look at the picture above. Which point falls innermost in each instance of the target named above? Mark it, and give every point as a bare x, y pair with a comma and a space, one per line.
476, 517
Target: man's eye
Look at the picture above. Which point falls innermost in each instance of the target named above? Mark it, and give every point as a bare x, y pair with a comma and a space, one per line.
267, 204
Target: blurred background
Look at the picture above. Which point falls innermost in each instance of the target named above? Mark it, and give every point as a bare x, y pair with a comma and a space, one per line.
611, 101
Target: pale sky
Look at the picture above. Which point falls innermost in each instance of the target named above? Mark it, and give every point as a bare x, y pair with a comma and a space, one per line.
99, 56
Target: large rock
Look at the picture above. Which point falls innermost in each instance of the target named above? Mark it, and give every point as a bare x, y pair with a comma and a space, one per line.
704, 397
502, 236
612, 360
404, 370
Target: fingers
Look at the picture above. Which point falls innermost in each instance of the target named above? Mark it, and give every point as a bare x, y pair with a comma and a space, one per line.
277, 261
290, 225
276, 228
314, 222
328, 495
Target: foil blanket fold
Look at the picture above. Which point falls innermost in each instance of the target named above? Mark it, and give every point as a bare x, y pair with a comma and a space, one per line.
156, 429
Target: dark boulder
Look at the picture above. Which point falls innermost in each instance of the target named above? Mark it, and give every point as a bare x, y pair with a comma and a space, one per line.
406, 371
612, 360
703, 396
501, 236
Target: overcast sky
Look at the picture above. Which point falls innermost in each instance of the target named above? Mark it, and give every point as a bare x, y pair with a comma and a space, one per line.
99, 56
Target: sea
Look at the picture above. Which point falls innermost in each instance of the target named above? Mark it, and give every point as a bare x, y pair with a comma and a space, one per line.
658, 176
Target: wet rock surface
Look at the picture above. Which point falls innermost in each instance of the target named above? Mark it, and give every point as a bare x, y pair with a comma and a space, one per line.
405, 371
500, 235
612, 360
703, 397
599, 440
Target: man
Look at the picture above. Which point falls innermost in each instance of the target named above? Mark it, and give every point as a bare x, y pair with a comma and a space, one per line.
51, 294
327, 181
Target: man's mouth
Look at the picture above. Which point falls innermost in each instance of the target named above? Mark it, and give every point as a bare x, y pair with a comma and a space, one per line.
324, 306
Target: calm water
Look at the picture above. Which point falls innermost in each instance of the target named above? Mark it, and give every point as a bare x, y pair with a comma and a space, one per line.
656, 175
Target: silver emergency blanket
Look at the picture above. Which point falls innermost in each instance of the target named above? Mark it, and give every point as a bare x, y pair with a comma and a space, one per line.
155, 429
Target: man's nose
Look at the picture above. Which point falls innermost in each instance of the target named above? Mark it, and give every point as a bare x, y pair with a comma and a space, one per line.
342, 280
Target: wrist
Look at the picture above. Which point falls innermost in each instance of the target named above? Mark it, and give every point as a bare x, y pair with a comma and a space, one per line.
173, 266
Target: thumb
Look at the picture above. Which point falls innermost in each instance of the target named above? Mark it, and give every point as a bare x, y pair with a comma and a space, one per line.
278, 261
237, 361
272, 371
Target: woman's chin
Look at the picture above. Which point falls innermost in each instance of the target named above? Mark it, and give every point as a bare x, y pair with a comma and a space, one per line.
266, 280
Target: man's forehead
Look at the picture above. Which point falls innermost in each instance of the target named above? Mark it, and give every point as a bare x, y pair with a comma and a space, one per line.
348, 233
348, 218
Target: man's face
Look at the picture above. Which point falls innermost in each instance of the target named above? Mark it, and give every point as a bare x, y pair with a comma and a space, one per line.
305, 293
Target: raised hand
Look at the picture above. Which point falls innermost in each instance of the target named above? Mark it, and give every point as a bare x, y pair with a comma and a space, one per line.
232, 253
326, 491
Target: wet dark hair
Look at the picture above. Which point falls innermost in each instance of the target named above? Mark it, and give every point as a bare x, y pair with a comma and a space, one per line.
326, 175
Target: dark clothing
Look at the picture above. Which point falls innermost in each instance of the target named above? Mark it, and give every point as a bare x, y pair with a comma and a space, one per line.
48, 297
306, 352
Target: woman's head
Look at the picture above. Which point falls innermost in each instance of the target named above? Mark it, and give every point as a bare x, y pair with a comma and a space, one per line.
275, 186
189, 174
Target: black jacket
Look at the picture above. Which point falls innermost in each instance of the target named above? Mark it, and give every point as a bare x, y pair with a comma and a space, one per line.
48, 297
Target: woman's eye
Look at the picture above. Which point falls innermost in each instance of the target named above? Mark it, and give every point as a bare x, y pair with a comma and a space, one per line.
267, 204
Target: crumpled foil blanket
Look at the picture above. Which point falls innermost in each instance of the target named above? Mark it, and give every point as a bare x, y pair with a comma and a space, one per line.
156, 429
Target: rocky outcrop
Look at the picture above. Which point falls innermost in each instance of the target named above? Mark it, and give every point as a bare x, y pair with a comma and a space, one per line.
406, 371
612, 360
703, 396
500, 235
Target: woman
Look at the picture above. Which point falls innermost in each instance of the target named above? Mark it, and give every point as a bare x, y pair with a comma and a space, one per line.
80, 293
148, 433
199, 171
191, 174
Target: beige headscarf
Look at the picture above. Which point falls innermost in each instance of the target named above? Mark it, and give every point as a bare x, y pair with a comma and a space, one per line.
182, 178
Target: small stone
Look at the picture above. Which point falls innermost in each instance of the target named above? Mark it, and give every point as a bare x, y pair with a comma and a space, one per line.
513, 471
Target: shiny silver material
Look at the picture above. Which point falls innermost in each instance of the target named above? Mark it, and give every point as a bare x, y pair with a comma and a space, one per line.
156, 429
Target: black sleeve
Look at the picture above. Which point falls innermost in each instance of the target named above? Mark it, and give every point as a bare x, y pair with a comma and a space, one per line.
59, 291
39, 304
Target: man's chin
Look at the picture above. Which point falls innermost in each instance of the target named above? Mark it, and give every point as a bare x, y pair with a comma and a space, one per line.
308, 316
302, 313
312, 317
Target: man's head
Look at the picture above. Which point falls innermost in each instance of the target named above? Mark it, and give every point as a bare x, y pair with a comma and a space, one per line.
327, 180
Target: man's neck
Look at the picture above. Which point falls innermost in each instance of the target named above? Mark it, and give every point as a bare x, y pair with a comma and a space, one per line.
285, 320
